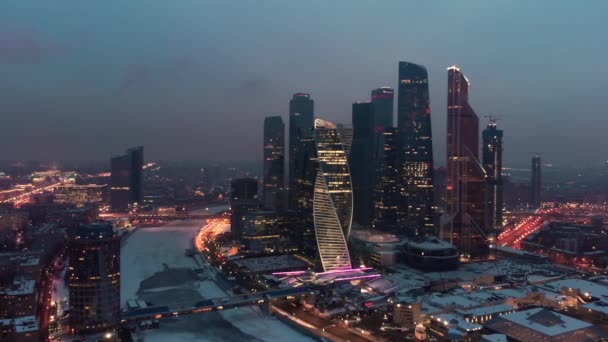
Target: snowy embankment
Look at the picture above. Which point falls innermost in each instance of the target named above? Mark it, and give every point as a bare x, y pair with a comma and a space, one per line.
152, 250
251, 320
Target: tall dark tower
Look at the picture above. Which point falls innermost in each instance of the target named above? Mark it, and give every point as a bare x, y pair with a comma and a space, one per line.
416, 155
301, 152
274, 161
126, 179
466, 178
362, 163
243, 199
535, 182
94, 278
492, 163
382, 107
389, 211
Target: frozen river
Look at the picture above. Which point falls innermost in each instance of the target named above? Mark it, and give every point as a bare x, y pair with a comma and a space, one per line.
155, 268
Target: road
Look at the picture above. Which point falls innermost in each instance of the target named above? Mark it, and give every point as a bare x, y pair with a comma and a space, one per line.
513, 237
26, 197
568, 212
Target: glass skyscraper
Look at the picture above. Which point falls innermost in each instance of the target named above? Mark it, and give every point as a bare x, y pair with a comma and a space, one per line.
301, 152
274, 160
389, 211
466, 178
243, 200
382, 107
492, 163
126, 179
94, 278
333, 197
416, 149
362, 163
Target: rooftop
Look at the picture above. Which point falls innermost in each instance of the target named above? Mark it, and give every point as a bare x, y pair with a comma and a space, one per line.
374, 236
583, 286
430, 243
545, 321
25, 324
19, 288
270, 263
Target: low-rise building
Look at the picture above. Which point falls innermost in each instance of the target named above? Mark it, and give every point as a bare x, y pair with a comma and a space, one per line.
541, 324
79, 195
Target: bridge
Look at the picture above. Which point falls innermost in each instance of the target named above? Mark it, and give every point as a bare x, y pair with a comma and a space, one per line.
214, 304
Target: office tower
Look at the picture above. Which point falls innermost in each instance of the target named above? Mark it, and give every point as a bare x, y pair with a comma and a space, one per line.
361, 162
243, 199
466, 179
416, 155
301, 152
94, 278
346, 134
382, 107
126, 180
274, 161
390, 213
333, 198
492, 163
535, 182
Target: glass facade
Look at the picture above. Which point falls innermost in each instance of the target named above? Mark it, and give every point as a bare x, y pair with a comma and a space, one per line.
126, 180
362, 163
389, 211
301, 152
492, 163
274, 160
416, 149
466, 187
333, 198
94, 278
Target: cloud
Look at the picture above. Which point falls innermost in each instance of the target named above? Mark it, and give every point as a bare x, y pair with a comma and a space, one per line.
256, 84
142, 73
26, 47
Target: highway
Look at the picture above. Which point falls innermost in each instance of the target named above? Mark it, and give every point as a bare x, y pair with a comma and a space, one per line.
568, 212
26, 197
513, 237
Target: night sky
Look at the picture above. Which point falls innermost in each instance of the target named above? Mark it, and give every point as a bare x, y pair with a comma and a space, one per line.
193, 79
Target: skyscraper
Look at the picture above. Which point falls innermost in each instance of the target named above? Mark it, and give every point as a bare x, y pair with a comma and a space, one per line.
535, 182
416, 145
389, 211
466, 178
361, 162
243, 199
333, 198
382, 107
94, 278
301, 152
492, 163
274, 160
126, 179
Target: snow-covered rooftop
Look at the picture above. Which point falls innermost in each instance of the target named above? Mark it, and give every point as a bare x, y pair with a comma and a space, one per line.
545, 321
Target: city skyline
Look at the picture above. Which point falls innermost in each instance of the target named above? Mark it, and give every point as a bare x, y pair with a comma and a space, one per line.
200, 72
336, 171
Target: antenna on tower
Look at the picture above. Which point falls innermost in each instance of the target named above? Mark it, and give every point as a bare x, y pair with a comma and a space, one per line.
493, 118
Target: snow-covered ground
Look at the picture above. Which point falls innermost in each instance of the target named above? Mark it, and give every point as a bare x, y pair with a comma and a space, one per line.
252, 321
149, 252
162, 336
